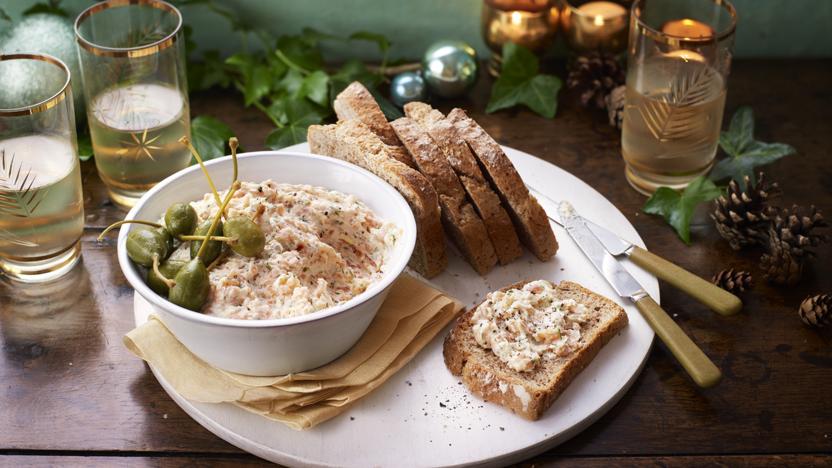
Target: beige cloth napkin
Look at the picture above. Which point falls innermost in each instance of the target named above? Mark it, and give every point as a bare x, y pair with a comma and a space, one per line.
410, 317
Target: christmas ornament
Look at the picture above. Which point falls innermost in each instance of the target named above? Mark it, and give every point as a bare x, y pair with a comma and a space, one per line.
733, 281
40, 33
790, 239
615, 101
450, 68
743, 217
816, 311
408, 87
594, 76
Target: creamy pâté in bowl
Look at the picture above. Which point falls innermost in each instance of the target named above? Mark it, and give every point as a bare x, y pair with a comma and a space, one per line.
323, 248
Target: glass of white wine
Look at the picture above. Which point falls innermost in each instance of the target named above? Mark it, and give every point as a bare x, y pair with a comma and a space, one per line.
679, 58
41, 205
132, 62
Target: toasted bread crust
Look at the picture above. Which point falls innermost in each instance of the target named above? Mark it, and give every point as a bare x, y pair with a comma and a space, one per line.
461, 221
529, 217
356, 102
491, 380
487, 203
353, 142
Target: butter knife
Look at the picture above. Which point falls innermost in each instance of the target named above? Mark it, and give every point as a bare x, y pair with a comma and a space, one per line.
697, 364
707, 293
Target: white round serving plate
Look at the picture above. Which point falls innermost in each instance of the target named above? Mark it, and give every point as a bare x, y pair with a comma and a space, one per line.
423, 416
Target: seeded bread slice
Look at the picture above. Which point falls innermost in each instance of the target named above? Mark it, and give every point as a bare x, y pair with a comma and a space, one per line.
463, 223
497, 222
530, 394
356, 103
353, 142
529, 218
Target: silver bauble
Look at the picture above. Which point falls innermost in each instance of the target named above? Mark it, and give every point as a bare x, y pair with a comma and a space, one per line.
450, 68
408, 87
41, 33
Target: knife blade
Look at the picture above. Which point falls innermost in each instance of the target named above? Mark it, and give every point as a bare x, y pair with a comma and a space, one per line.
707, 293
697, 364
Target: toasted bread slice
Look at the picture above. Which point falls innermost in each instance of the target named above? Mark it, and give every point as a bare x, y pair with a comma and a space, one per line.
529, 218
353, 142
356, 103
529, 394
497, 223
461, 220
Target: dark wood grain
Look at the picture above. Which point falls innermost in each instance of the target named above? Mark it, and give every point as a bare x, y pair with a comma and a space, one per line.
67, 384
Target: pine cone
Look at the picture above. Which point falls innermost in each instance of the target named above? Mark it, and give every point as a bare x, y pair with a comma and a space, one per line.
816, 311
615, 106
743, 217
790, 244
733, 281
595, 75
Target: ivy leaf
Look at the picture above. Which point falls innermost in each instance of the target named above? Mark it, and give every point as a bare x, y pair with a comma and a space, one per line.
210, 72
84, 146
745, 153
52, 7
298, 114
677, 207
299, 54
315, 87
256, 77
351, 71
209, 137
521, 83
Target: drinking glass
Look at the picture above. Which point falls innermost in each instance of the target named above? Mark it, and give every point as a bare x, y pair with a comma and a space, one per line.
679, 57
132, 63
41, 205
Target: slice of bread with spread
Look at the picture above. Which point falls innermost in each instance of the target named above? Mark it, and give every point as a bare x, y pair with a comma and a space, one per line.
524, 344
461, 221
354, 142
487, 203
356, 103
529, 218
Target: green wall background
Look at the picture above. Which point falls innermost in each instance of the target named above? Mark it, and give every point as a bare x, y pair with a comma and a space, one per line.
767, 28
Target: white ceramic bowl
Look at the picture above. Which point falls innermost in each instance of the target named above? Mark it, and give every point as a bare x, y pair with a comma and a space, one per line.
277, 346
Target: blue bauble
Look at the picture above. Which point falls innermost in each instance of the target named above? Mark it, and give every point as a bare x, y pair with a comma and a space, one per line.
408, 87
450, 68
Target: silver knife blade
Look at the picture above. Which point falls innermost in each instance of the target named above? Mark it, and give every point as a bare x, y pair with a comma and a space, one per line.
614, 244
615, 274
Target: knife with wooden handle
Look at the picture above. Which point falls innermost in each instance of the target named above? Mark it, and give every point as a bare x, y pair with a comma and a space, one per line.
707, 293
697, 364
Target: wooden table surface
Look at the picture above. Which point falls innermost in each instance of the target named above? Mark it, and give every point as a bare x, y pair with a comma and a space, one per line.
70, 393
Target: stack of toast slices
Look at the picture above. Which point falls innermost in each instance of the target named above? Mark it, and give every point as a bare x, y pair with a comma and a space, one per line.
454, 176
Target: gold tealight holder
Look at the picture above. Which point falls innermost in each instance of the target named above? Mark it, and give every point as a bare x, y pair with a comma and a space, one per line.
529, 23
595, 25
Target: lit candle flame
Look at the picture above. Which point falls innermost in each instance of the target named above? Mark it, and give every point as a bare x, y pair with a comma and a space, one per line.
599, 20
516, 18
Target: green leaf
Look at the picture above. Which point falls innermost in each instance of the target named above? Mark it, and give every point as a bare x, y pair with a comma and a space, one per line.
520, 83
298, 114
290, 84
351, 71
298, 53
286, 136
677, 208
52, 7
211, 71
740, 132
316, 88
84, 146
745, 153
209, 137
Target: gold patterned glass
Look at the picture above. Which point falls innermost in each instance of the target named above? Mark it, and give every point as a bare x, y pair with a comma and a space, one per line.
679, 57
132, 63
41, 205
